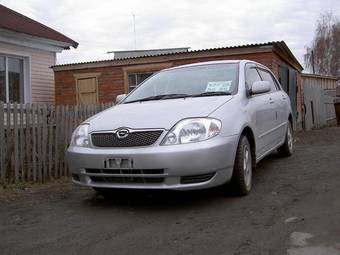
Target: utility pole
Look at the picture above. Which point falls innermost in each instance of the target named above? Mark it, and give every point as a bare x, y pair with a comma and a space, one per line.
134, 29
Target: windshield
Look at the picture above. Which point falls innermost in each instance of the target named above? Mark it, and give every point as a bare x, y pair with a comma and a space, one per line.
203, 80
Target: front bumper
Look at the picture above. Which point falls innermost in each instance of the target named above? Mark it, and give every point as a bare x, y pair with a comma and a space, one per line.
177, 167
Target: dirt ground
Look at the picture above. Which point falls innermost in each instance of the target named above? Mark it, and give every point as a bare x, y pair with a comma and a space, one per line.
294, 208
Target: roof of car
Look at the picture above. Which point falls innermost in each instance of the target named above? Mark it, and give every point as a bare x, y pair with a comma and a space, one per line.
206, 63
216, 63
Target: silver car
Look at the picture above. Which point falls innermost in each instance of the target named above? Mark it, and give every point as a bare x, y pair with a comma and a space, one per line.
188, 127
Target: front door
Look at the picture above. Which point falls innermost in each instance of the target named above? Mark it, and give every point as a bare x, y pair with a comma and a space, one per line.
262, 107
87, 91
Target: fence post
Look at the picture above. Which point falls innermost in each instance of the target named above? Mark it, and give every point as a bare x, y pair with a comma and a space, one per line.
44, 142
34, 142
16, 147
28, 135
22, 166
50, 140
2, 144
56, 142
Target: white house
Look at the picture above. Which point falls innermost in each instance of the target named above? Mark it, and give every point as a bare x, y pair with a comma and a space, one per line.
27, 51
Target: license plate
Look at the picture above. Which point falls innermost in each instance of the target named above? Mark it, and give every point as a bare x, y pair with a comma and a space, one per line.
118, 163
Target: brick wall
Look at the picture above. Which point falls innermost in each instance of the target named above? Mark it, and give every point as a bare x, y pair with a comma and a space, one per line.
110, 84
111, 78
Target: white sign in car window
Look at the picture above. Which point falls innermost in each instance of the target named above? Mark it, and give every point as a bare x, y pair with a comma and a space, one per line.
216, 86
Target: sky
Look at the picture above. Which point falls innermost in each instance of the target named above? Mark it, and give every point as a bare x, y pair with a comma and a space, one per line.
101, 26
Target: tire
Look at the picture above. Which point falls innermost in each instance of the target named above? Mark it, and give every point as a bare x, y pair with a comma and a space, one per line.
286, 148
241, 179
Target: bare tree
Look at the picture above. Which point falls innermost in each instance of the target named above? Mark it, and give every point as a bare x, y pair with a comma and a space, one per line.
323, 56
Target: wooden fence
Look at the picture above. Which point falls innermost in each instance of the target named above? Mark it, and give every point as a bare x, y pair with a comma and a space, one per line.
322, 81
319, 107
34, 138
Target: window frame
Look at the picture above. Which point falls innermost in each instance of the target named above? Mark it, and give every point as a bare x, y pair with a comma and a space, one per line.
142, 68
254, 66
24, 77
276, 85
131, 88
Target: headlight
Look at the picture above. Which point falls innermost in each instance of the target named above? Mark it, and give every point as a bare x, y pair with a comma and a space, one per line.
192, 130
80, 136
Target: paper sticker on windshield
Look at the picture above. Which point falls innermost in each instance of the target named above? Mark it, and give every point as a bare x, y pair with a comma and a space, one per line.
216, 86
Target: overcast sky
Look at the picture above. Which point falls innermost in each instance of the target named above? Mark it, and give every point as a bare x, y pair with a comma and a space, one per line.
102, 25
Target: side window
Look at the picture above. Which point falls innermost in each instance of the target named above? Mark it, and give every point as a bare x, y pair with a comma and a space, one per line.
252, 75
266, 76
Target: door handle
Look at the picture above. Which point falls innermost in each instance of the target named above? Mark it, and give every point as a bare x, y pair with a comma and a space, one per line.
271, 101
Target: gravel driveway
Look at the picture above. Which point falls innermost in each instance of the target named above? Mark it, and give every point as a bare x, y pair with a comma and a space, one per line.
294, 208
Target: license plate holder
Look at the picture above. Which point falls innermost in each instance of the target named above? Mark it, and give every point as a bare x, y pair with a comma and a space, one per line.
118, 163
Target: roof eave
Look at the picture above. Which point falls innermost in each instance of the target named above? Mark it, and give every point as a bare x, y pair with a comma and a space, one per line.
284, 48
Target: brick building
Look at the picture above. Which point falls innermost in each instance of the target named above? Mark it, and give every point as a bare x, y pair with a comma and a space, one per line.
102, 81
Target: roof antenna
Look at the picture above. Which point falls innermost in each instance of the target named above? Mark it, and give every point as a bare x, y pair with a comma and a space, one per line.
134, 29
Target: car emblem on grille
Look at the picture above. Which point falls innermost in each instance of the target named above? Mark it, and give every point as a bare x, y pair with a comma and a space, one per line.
122, 133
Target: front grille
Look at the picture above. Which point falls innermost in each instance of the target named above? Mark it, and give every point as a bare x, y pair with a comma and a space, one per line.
196, 178
136, 138
124, 171
127, 179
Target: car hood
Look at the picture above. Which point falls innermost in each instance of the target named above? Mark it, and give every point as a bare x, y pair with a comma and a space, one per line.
155, 114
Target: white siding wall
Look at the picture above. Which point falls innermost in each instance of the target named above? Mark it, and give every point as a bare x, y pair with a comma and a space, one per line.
40, 78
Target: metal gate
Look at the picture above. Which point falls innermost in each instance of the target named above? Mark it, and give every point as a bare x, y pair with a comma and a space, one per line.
318, 106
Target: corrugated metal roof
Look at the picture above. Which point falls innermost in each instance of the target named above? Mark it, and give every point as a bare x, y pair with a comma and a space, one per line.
278, 43
14, 21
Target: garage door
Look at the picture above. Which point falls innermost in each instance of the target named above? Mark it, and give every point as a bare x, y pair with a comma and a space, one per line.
87, 91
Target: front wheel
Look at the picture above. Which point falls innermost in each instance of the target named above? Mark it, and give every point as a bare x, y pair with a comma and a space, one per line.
241, 180
286, 148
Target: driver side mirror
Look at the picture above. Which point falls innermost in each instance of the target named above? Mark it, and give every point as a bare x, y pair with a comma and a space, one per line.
120, 98
260, 87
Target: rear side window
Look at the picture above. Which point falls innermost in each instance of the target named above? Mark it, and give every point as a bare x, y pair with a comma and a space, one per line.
266, 76
252, 75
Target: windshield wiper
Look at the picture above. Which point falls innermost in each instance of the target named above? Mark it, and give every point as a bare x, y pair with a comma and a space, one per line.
212, 93
158, 97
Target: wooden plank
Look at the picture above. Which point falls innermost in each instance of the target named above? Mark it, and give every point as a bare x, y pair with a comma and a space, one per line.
56, 142
16, 143
50, 140
69, 135
75, 123
61, 140
28, 137
9, 143
21, 146
44, 142
34, 142
39, 143
66, 122
2, 144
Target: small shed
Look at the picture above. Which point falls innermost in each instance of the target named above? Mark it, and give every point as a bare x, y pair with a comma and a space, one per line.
101, 81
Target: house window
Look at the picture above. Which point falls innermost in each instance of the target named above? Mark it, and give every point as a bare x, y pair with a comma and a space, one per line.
11, 79
137, 78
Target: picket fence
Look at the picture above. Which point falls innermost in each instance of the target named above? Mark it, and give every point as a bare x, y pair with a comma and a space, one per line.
34, 138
